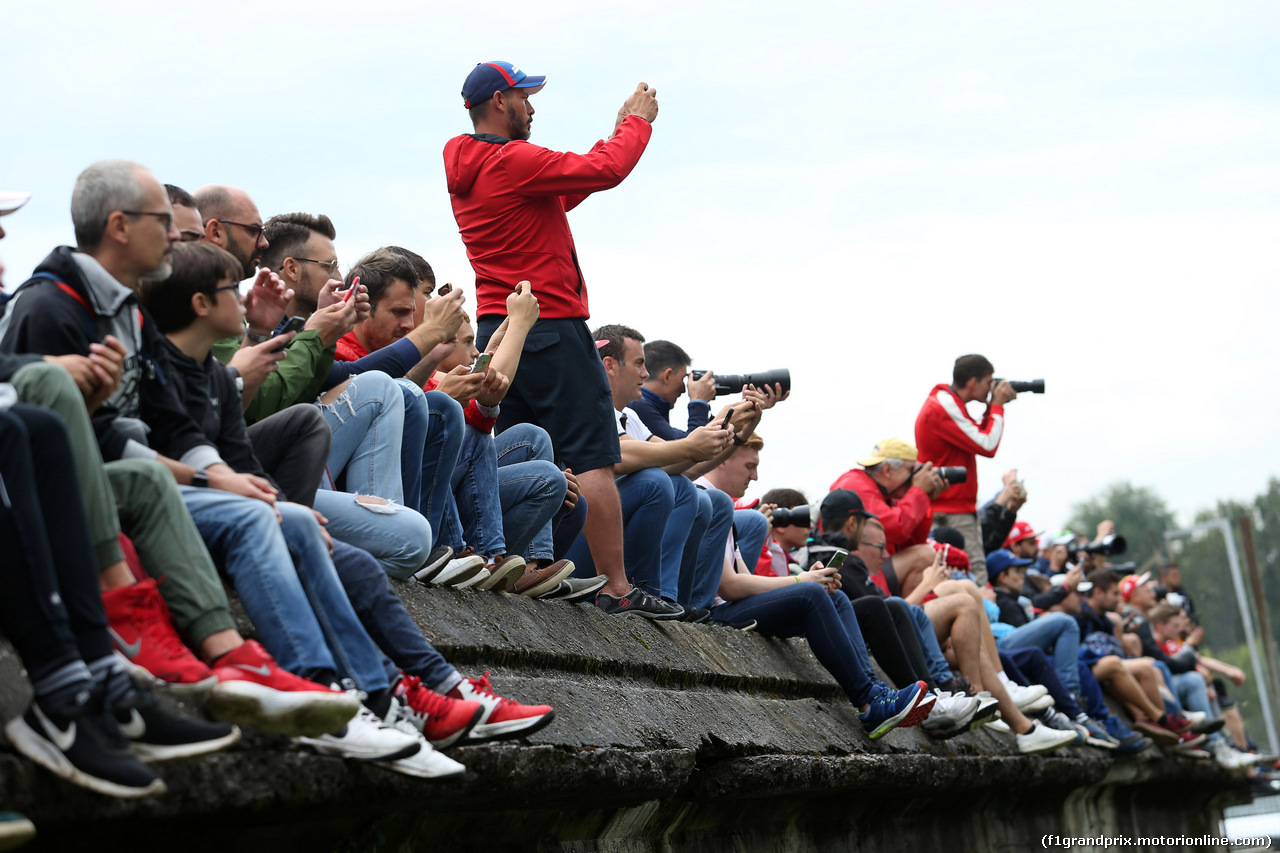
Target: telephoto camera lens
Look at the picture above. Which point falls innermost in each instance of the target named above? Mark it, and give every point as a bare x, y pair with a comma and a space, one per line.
953, 474
796, 516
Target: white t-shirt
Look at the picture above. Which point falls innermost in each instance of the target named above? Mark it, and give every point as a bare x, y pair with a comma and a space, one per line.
629, 423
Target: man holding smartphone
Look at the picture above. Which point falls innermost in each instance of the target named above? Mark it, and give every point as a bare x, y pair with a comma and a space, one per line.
510, 199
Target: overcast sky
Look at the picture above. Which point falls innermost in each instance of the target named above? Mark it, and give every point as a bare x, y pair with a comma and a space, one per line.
1087, 192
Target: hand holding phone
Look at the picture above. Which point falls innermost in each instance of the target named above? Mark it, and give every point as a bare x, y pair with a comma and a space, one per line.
351, 291
728, 416
837, 559
482, 363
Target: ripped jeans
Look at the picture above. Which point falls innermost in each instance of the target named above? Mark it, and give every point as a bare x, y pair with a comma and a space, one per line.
367, 420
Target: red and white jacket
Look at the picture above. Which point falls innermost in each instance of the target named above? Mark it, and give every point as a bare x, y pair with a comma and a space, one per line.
946, 435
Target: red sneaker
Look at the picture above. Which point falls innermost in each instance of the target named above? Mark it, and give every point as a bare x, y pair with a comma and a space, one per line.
503, 718
139, 627
253, 690
443, 720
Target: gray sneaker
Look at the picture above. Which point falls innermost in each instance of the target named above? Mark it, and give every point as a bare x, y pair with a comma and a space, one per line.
951, 715
637, 602
574, 590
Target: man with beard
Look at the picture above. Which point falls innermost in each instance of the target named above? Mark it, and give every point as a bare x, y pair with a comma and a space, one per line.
510, 200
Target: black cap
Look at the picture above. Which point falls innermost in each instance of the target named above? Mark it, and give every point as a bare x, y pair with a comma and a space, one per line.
1050, 597
840, 504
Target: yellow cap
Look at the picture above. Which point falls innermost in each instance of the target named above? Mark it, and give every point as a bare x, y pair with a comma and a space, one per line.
890, 448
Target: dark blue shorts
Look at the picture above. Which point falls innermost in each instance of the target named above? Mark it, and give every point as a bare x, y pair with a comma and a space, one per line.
562, 387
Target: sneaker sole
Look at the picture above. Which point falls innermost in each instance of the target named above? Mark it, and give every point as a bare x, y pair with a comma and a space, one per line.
582, 594
459, 575
293, 713
474, 581
359, 753
153, 752
430, 570
888, 725
652, 617
919, 712
1159, 736
29, 742
1035, 706
173, 688
426, 765
550, 583
507, 574
509, 729
1100, 743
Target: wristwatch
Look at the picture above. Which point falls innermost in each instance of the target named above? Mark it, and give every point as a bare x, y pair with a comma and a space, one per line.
239, 379
200, 479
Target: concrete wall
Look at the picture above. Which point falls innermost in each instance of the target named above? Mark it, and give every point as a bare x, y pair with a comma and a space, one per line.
667, 737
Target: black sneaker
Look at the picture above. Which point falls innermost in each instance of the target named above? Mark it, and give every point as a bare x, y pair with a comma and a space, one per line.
637, 602
84, 747
159, 734
574, 590
437, 560
696, 615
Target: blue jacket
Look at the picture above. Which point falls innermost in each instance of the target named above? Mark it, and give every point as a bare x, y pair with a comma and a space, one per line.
655, 413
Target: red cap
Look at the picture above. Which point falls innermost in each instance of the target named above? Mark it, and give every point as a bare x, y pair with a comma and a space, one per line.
1021, 530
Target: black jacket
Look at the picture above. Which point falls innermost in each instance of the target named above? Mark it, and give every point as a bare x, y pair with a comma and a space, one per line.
1011, 610
59, 311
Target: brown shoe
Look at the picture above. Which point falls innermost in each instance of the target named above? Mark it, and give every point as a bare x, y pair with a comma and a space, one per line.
503, 572
535, 582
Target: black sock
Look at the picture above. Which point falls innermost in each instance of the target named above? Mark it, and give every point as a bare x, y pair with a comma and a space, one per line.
379, 701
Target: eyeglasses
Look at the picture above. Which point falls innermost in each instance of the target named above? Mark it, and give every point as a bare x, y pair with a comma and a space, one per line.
166, 219
880, 546
330, 267
256, 230
218, 290
190, 236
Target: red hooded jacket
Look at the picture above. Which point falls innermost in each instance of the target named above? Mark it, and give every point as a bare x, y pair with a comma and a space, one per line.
510, 199
906, 521
946, 435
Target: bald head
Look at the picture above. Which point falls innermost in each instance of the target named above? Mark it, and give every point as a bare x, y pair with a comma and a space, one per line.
232, 221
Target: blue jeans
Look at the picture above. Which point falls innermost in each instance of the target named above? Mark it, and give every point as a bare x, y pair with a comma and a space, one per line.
1028, 666
475, 494
367, 420
299, 609
412, 440
752, 527
938, 666
532, 490
647, 496
399, 541
388, 623
715, 519
675, 539
826, 621
439, 457
1055, 633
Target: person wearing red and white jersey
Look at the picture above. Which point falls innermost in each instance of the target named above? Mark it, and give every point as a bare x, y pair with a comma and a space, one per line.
946, 434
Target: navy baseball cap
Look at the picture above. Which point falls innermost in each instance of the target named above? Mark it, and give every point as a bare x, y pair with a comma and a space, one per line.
839, 505
488, 78
998, 561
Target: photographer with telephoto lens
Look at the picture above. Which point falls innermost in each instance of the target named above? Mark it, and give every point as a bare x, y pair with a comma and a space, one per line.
947, 434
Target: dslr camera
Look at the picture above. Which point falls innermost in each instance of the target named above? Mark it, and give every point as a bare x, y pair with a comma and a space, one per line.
1021, 386
953, 474
732, 383
796, 516
1108, 546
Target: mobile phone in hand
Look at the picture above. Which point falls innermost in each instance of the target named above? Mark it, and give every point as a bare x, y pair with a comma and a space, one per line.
728, 416
837, 559
295, 324
482, 363
351, 291
444, 289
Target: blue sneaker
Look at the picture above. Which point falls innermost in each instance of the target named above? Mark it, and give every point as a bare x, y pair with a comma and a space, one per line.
1098, 735
890, 708
1131, 742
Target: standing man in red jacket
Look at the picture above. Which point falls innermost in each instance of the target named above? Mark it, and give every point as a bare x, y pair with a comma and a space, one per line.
947, 435
510, 199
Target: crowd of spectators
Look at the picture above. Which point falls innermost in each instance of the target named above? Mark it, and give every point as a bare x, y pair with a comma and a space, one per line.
195, 396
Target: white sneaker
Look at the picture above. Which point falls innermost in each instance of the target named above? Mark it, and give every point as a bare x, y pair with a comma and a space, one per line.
1043, 739
951, 715
366, 738
988, 710
1230, 757
1035, 707
426, 763
1024, 696
462, 567
1000, 726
